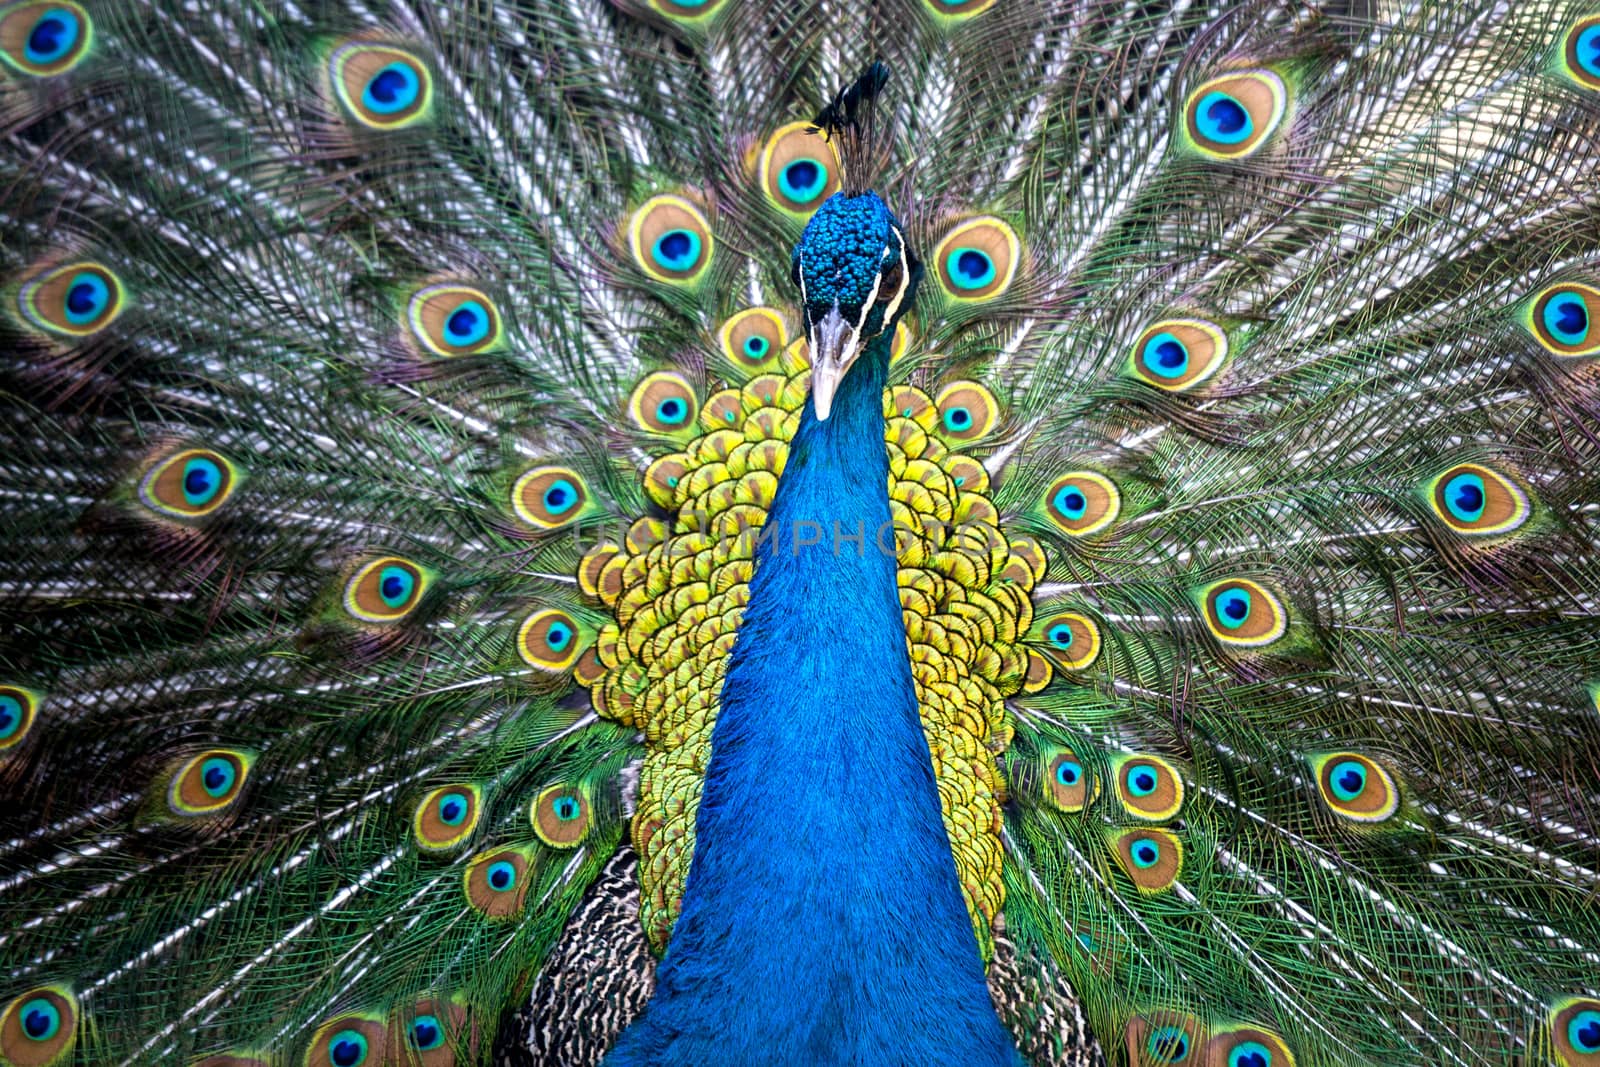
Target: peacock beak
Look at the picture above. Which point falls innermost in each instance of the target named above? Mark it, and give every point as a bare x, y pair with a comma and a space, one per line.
834, 346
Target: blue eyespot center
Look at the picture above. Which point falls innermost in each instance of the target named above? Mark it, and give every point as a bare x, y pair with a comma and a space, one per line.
10, 716
1250, 1054
1583, 1031
202, 481
217, 776
1071, 502
87, 298
1233, 608
755, 346
348, 1048
1349, 780
1069, 772
1169, 1044
1567, 319
52, 37
502, 876
958, 419
1223, 119
1165, 356
970, 268
1589, 50
467, 325
802, 180
1061, 636
558, 636
1141, 781
395, 585
41, 1020
1464, 496
567, 808
672, 411
1145, 853
394, 88
677, 250
560, 496
452, 809
426, 1033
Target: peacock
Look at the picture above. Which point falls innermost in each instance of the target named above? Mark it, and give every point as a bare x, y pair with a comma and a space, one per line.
702, 532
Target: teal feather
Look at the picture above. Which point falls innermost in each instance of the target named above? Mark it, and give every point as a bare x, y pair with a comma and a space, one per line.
357, 359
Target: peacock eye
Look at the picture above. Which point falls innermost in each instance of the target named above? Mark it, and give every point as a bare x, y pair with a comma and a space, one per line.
385, 590
44, 39
382, 88
890, 281
426, 1033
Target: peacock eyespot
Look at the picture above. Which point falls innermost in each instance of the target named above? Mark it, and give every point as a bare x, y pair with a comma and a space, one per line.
954, 11
671, 240
686, 10
1248, 1046
1565, 318
446, 816
189, 484
1169, 1044
18, 709
385, 590
208, 783
76, 300
753, 337
549, 497
1575, 1031
1163, 1038
967, 412
1250, 1054
1232, 116
797, 169
1477, 501
1242, 613
1149, 787
39, 1028
550, 640
1151, 858
560, 816
1356, 787
1072, 640
347, 1048
1581, 55
45, 39
663, 403
454, 320
380, 86
348, 1041
1177, 355
1069, 782
977, 260
1081, 503
496, 883
425, 1033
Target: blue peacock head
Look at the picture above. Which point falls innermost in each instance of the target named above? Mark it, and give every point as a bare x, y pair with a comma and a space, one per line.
856, 273
857, 277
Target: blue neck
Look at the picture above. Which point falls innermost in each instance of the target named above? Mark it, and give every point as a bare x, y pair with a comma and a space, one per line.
822, 922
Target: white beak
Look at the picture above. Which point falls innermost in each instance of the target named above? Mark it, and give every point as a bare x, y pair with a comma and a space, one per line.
834, 346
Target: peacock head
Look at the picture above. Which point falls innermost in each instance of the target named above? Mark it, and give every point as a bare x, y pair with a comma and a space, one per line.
857, 276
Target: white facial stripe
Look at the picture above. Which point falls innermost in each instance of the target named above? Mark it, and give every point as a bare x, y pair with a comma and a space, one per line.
866, 307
